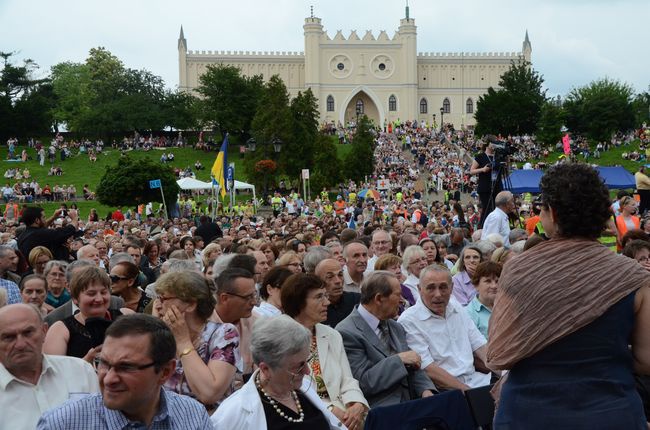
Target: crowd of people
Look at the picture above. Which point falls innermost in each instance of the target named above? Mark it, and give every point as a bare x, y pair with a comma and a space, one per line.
324, 312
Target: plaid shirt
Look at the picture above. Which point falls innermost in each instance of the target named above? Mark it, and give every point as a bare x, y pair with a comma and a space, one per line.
13, 292
176, 412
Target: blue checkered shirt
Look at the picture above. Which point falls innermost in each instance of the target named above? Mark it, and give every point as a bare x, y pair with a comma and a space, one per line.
13, 292
176, 412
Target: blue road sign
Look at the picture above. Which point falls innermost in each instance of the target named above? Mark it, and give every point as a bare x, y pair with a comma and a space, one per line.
154, 184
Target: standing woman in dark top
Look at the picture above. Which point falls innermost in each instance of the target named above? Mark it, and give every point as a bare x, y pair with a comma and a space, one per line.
90, 290
486, 168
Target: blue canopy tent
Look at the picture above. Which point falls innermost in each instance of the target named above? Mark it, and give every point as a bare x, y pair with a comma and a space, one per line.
617, 178
527, 181
523, 181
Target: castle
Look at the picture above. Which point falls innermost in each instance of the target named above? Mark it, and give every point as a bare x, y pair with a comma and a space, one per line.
382, 77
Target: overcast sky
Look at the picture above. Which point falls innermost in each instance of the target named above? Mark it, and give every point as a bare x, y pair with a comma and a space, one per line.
574, 41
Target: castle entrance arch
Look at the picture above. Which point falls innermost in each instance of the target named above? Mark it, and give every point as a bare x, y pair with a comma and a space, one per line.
368, 105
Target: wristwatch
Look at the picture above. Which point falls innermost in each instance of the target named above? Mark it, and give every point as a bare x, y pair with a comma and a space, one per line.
185, 352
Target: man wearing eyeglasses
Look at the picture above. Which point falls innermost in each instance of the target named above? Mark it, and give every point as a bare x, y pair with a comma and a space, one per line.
30, 381
381, 243
138, 357
236, 298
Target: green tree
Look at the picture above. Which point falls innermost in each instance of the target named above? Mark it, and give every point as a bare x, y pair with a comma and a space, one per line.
272, 121
127, 183
328, 168
516, 106
599, 109
360, 160
641, 107
25, 101
550, 123
229, 99
181, 110
101, 97
299, 154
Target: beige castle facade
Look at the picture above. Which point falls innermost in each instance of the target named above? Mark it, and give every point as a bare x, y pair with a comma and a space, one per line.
384, 78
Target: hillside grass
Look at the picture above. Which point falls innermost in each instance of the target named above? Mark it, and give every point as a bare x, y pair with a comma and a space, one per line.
78, 170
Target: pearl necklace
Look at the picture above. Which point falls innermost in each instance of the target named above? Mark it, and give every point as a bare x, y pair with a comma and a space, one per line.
275, 406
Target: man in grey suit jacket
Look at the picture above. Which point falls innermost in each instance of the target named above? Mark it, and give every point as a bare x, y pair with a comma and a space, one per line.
380, 359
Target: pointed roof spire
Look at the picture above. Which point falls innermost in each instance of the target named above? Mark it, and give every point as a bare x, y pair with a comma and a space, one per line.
181, 36
407, 10
526, 40
182, 43
311, 9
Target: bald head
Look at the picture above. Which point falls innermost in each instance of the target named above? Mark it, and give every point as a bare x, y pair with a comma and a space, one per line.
330, 271
22, 333
88, 252
502, 199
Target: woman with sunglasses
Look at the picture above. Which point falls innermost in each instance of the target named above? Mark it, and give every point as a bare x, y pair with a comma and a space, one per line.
124, 283
278, 395
304, 298
207, 352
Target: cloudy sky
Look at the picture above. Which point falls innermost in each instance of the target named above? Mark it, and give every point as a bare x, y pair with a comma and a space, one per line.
574, 41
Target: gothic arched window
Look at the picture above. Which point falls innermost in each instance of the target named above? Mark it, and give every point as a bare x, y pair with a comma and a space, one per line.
392, 103
359, 107
446, 106
330, 104
469, 106
424, 108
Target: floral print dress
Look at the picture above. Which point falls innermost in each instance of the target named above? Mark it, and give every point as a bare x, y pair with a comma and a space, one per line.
218, 341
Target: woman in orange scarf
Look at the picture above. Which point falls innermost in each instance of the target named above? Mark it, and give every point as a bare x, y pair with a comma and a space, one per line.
563, 318
627, 220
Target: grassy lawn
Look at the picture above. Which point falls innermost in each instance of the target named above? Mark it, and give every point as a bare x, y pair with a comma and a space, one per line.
610, 158
78, 170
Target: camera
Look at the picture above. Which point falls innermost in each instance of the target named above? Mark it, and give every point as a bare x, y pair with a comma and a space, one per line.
502, 148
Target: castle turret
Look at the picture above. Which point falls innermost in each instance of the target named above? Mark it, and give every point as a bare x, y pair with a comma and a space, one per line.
313, 30
407, 33
182, 61
527, 49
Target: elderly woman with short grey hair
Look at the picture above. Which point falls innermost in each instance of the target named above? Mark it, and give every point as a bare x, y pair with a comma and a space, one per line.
413, 261
279, 394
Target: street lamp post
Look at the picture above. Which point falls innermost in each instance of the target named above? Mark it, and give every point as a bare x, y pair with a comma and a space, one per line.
442, 117
358, 110
433, 124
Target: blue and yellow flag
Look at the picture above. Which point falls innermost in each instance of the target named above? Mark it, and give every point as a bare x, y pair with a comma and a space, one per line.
219, 168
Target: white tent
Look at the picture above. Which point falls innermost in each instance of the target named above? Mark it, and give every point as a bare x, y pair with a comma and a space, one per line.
239, 185
193, 184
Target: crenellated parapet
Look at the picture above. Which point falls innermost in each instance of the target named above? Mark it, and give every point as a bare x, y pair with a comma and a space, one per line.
265, 54
470, 55
368, 37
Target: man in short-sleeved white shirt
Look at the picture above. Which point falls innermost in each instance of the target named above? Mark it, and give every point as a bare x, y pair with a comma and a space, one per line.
30, 381
439, 329
497, 220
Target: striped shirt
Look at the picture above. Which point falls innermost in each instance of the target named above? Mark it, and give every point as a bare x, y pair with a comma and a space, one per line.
176, 412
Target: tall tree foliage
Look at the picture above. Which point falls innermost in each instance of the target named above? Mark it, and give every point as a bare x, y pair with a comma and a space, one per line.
360, 160
25, 101
229, 99
101, 97
550, 123
599, 109
304, 118
516, 106
641, 107
127, 183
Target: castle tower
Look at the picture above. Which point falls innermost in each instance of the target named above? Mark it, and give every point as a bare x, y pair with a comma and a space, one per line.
313, 30
407, 33
527, 48
182, 61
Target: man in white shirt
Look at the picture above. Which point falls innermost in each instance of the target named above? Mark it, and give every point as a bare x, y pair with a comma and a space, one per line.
356, 258
30, 381
441, 332
497, 220
381, 243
